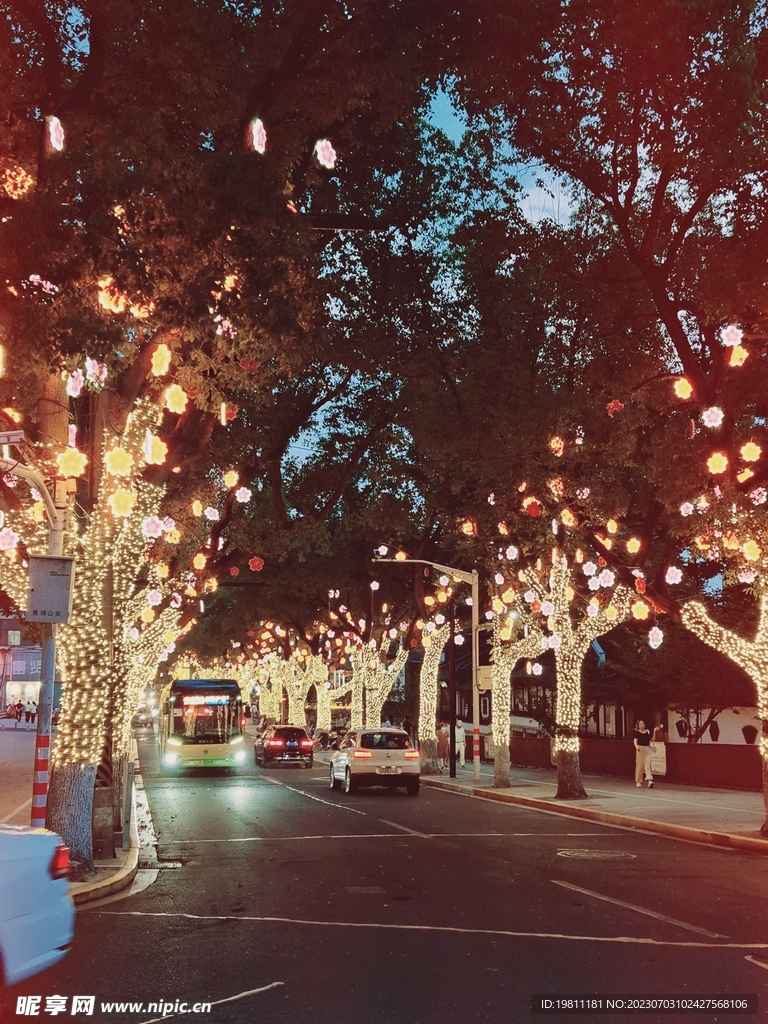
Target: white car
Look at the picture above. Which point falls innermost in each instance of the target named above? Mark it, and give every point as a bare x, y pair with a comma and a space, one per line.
376, 757
37, 915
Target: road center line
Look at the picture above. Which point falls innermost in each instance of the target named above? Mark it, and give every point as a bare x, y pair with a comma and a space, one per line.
412, 831
448, 929
641, 910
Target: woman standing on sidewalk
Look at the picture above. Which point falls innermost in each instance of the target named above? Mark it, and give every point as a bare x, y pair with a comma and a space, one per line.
642, 741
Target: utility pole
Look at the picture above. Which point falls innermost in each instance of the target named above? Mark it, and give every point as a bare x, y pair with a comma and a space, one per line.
56, 509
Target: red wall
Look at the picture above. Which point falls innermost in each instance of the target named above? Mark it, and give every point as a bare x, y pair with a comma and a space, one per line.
727, 766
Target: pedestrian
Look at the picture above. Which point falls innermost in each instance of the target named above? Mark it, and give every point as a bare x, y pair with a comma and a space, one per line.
386, 724
461, 742
642, 741
27, 712
19, 707
34, 711
408, 726
443, 745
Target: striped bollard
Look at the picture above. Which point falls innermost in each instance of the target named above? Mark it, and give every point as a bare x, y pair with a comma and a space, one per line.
40, 783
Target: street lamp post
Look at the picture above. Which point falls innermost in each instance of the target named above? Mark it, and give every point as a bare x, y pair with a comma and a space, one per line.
474, 580
56, 508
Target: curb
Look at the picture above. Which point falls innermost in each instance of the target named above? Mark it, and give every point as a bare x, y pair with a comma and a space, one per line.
694, 835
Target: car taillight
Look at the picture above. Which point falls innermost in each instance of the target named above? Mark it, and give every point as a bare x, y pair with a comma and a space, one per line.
361, 753
307, 743
277, 743
412, 754
59, 866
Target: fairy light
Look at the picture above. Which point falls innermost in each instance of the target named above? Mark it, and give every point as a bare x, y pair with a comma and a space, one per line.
505, 653
428, 690
751, 655
110, 554
571, 638
376, 677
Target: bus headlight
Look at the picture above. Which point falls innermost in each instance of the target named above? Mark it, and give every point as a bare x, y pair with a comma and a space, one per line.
174, 741
240, 755
170, 758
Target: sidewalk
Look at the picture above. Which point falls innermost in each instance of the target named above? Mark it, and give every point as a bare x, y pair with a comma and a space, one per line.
17, 752
720, 817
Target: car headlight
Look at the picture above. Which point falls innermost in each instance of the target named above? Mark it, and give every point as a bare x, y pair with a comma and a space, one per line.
170, 758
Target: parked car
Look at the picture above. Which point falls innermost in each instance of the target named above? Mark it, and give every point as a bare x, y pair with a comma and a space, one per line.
286, 744
141, 718
37, 915
376, 757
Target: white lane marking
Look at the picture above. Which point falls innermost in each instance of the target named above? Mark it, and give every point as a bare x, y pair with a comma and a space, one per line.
320, 800
758, 962
18, 810
287, 839
641, 910
381, 835
404, 828
503, 932
229, 999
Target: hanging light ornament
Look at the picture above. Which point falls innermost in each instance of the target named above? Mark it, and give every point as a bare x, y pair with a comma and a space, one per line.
161, 360
122, 502
175, 399
258, 135
712, 417
751, 452
55, 133
325, 153
717, 463
731, 336
683, 388
119, 462
71, 462
155, 450
738, 356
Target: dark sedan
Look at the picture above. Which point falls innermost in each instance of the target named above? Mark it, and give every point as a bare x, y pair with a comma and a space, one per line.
284, 744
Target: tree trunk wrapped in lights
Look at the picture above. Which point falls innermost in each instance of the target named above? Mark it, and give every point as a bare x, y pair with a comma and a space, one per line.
434, 644
752, 656
323, 713
109, 555
357, 685
298, 675
570, 635
380, 677
505, 653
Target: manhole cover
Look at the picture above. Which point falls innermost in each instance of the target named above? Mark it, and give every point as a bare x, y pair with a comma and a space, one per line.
364, 888
596, 854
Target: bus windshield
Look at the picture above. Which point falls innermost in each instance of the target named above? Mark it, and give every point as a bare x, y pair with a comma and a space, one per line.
205, 717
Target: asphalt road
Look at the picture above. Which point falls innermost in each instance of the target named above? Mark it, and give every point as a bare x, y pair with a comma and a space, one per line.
279, 900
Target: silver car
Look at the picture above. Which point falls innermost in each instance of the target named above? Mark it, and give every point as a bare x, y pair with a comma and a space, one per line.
376, 757
37, 915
